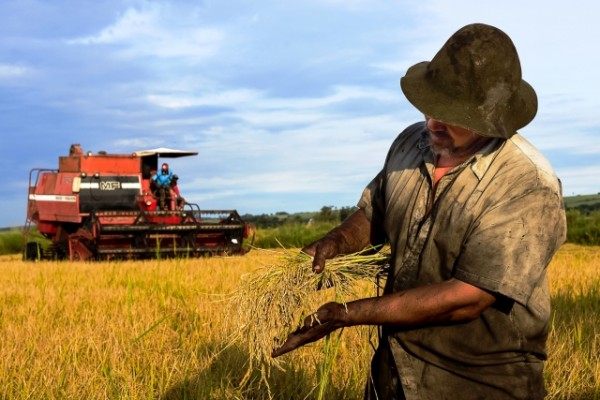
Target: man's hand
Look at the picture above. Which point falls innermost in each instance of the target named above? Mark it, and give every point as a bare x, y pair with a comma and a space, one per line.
351, 236
451, 301
328, 318
322, 249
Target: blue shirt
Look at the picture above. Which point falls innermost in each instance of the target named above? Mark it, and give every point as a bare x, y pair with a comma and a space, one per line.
163, 179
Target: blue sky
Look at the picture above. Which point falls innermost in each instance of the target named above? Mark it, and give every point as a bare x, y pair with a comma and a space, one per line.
291, 105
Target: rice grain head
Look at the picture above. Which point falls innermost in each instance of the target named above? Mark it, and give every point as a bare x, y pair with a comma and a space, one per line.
274, 300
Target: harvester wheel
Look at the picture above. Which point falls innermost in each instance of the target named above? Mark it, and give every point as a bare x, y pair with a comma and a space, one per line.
33, 251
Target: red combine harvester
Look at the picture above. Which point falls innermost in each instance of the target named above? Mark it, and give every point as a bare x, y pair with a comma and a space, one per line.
101, 206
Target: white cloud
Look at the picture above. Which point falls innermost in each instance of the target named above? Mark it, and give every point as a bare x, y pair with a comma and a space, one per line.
133, 24
340, 94
226, 97
256, 100
158, 31
8, 71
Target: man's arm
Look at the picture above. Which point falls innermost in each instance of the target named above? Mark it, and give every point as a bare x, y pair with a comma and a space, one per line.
446, 302
349, 237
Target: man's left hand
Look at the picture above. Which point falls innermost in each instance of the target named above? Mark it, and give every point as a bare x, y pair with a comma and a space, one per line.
326, 319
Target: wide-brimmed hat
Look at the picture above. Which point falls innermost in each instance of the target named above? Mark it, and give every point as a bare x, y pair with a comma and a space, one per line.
475, 82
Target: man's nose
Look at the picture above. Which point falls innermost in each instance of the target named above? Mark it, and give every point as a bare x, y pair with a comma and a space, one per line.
435, 125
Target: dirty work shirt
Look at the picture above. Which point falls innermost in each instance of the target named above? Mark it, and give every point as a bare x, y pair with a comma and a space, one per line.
494, 222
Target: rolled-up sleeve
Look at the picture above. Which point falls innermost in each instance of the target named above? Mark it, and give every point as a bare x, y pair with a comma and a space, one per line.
372, 202
371, 197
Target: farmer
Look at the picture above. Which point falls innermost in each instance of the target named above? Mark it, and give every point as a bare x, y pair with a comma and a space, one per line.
162, 182
473, 214
164, 176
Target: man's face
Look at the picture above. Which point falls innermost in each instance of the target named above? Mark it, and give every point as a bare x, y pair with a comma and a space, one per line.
165, 169
452, 140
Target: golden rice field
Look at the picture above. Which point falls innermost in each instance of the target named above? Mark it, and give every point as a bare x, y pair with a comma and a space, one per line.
158, 330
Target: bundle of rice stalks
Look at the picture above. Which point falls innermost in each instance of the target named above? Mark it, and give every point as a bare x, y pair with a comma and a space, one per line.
273, 301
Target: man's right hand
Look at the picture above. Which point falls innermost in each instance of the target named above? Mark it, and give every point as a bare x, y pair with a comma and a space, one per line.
322, 249
351, 236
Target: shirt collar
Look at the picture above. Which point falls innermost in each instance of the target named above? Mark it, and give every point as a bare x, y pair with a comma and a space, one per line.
480, 162
484, 157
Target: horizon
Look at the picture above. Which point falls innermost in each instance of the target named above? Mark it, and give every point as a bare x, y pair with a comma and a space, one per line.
597, 195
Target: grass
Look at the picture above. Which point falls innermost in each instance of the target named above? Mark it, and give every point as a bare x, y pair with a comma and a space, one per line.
11, 241
293, 234
582, 200
573, 368
159, 330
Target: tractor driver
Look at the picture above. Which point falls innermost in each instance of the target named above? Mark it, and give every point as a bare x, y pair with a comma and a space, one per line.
162, 186
164, 177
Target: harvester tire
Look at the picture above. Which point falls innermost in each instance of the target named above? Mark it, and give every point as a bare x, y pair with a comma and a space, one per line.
33, 251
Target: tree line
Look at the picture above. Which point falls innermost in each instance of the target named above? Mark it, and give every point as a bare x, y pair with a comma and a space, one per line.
299, 229
326, 214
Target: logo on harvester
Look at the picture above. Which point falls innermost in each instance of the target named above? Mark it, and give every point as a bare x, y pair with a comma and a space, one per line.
110, 185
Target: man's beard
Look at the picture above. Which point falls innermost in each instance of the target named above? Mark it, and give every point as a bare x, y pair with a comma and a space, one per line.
444, 145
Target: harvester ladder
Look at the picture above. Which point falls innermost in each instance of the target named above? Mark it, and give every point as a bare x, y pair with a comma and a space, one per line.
30, 190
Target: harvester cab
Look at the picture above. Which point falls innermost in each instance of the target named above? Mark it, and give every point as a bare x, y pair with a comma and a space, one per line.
103, 206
